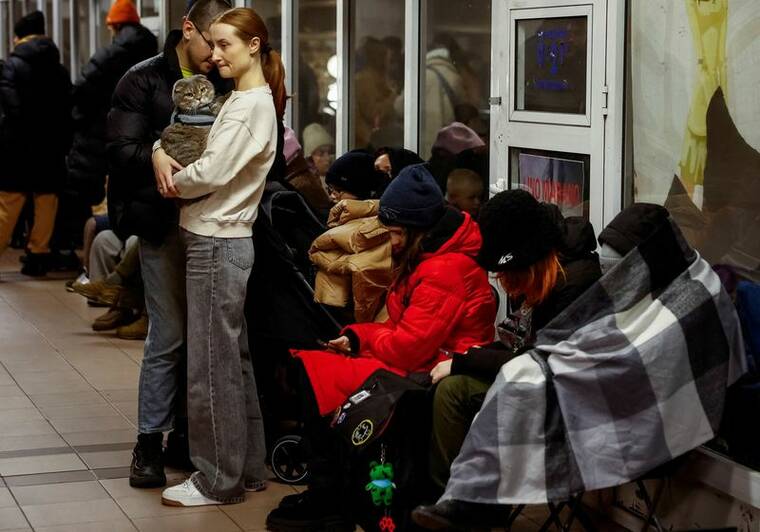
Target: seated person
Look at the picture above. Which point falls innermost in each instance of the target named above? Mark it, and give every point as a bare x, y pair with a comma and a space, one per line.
302, 177
553, 262
390, 161
440, 299
615, 386
464, 190
353, 176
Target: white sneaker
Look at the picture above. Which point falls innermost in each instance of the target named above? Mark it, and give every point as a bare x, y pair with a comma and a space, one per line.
185, 494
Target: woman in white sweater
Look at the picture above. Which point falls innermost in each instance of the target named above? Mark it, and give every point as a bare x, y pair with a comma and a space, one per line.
221, 193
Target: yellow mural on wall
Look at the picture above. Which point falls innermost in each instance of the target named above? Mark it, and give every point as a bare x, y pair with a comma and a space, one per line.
708, 20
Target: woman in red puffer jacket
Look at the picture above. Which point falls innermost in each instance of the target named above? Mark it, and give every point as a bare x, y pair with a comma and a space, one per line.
440, 301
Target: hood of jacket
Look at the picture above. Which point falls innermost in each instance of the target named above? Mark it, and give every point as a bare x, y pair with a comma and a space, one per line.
38, 50
577, 235
455, 232
346, 210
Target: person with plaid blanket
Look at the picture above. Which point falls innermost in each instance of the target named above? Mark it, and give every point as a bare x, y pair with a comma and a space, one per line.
629, 376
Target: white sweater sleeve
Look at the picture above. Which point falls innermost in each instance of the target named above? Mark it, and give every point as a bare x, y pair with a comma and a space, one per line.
232, 147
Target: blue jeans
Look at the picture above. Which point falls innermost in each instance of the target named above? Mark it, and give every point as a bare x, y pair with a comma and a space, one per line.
163, 375
226, 428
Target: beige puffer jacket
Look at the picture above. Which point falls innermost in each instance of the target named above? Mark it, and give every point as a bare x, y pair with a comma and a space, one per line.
354, 259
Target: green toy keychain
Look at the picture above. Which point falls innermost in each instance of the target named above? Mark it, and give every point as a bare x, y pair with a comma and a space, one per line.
381, 484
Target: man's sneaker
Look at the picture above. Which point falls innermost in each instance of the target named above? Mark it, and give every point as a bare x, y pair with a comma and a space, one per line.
81, 279
177, 452
99, 291
137, 330
147, 469
114, 318
309, 512
186, 494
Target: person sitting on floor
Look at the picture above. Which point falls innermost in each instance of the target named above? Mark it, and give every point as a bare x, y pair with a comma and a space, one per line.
440, 300
630, 376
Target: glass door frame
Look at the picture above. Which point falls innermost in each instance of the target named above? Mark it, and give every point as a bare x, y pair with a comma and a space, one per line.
600, 135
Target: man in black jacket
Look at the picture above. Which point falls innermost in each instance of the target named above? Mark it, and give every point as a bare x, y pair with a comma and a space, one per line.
91, 96
142, 107
34, 90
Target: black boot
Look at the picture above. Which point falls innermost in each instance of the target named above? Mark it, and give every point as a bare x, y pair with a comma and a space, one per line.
177, 453
36, 264
147, 469
312, 511
454, 515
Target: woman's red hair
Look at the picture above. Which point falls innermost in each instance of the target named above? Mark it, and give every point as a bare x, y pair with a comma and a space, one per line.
248, 24
535, 282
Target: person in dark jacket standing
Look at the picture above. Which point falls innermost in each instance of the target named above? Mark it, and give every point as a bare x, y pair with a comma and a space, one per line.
34, 90
142, 107
91, 98
544, 262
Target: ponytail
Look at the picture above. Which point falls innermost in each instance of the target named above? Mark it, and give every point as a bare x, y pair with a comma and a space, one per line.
274, 73
248, 24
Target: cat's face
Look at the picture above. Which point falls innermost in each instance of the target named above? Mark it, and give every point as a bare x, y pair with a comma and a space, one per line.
191, 93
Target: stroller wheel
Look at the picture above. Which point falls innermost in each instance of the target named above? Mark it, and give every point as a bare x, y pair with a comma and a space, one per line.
288, 460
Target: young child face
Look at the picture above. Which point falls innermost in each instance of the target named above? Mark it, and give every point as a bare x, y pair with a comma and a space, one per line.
466, 197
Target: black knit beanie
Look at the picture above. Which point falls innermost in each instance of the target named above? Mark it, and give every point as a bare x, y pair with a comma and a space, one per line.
31, 24
401, 158
517, 231
632, 226
355, 172
413, 199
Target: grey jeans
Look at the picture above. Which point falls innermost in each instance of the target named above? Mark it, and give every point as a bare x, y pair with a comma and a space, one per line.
226, 428
162, 396
105, 253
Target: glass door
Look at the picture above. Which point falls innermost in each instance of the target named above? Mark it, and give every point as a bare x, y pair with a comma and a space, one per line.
550, 102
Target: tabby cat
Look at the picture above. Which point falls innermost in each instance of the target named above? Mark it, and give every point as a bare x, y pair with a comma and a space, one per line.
196, 107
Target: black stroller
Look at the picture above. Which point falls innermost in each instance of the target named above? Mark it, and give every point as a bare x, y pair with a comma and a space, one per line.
282, 315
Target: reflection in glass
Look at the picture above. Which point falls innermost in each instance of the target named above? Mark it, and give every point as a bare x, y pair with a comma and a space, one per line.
377, 74
316, 93
455, 69
551, 65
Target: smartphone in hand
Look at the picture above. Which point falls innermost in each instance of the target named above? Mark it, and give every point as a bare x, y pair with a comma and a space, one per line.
330, 347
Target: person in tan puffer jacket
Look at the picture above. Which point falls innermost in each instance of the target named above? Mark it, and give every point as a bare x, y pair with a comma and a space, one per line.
354, 259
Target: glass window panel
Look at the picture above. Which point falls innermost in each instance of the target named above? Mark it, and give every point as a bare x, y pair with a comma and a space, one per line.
694, 117
455, 69
376, 59
551, 56
317, 90
149, 8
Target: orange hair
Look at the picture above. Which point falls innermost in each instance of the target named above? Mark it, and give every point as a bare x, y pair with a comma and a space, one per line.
535, 282
248, 24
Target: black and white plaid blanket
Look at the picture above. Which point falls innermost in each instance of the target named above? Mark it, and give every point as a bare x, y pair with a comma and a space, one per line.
628, 377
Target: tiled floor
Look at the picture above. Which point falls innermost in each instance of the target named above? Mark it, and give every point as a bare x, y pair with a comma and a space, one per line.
68, 404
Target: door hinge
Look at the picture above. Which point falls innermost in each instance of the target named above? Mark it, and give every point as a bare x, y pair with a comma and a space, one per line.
605, 94
494, 100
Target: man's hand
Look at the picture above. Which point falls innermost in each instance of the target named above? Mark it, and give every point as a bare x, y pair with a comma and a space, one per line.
164, 168
441, 371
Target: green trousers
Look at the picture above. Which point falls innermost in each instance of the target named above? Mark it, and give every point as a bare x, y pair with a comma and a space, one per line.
457, 399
